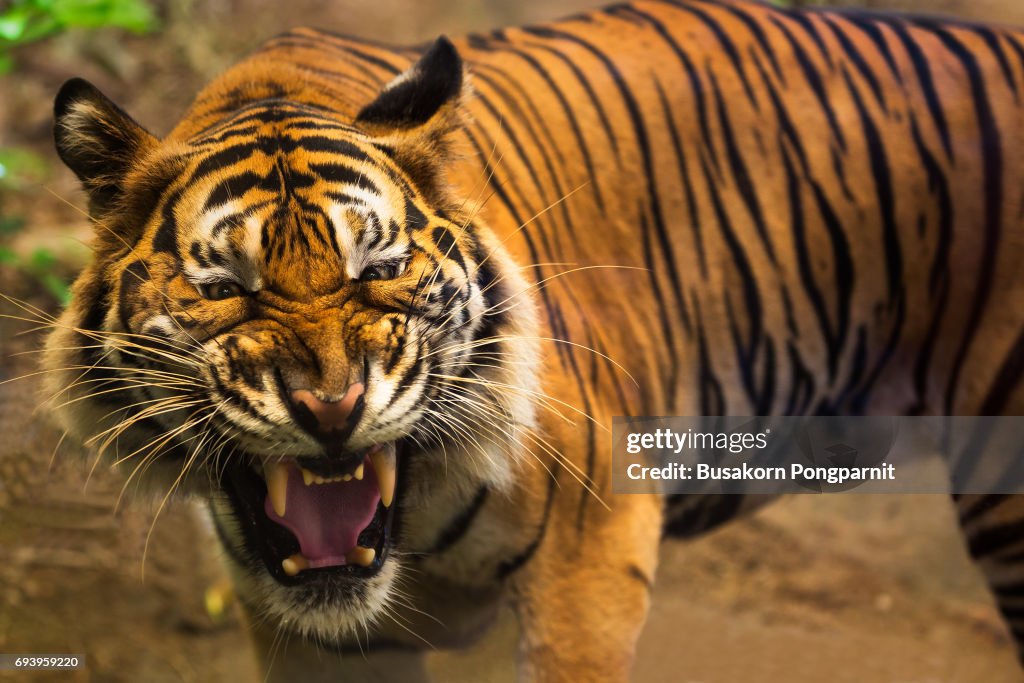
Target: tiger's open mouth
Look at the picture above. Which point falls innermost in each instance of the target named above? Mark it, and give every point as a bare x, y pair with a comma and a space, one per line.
308, 516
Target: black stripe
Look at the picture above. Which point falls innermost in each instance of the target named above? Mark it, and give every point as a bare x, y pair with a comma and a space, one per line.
668, 335
723, 38
804, 21
684, 176
1017, 48
1007, 379
882, 175
712, 400
979, 505
460, 523
635, 572
759, 35
739, 170
805, 266
992, 540
335, 172
992, 41
851, 51
539, 146
741, 262
376, 61
517, 146
696, 87
510, 566
873, 31
992, 188
922, 67
814, 79
166, 237
665, 242
570, 114
938, 281
498, 187
233, 187
801, 385
589, 88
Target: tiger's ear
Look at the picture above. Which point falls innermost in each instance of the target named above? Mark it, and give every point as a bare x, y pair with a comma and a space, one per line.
98, 141
414, 114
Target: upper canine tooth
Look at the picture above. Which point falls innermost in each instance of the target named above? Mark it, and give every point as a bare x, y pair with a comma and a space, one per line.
276, 474
359, 472
307, 476
384, 465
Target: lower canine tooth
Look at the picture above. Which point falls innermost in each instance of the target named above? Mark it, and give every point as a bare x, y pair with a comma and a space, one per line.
384, 465
276, 474
361, 556
295, 564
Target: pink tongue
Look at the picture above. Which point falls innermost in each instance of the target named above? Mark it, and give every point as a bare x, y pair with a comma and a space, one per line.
327, 518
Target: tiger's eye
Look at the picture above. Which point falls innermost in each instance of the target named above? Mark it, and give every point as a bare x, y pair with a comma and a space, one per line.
218, 291
381, 271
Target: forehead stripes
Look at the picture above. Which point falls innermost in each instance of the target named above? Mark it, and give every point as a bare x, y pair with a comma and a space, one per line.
278, 188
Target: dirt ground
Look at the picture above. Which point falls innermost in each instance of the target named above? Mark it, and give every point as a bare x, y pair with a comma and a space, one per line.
813, 588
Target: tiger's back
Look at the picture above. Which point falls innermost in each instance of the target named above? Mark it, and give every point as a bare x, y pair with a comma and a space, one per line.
818, 200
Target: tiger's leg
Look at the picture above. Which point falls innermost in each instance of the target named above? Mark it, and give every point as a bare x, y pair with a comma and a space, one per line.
993, 527
583, 597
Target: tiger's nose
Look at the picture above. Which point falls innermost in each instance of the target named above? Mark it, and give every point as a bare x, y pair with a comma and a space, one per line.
328, 416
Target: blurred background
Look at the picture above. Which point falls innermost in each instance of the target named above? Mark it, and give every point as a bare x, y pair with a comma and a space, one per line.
843, 588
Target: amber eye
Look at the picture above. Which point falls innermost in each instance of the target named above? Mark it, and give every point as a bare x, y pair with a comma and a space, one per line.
381, 271
218, 291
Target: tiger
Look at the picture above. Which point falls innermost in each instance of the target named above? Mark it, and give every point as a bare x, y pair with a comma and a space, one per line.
376, 307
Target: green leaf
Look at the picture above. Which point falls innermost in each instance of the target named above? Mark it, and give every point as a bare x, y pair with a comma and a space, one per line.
10, 225
13, 25
57, 287
134, 15
19, 166
42, 259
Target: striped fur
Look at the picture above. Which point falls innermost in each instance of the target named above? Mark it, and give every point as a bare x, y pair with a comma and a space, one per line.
688, 207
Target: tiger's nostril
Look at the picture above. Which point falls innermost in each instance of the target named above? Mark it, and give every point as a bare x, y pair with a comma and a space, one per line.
330, 416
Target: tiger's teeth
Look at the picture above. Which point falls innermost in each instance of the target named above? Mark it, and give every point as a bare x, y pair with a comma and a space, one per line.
384, 464
359, 473
294, 564
361, 556
276, 474
347, 477
307, 476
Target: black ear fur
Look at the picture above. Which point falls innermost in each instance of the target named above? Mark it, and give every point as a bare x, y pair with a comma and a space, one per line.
97, 140
420, 92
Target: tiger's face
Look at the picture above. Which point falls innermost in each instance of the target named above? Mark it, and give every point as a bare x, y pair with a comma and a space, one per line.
288, 321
